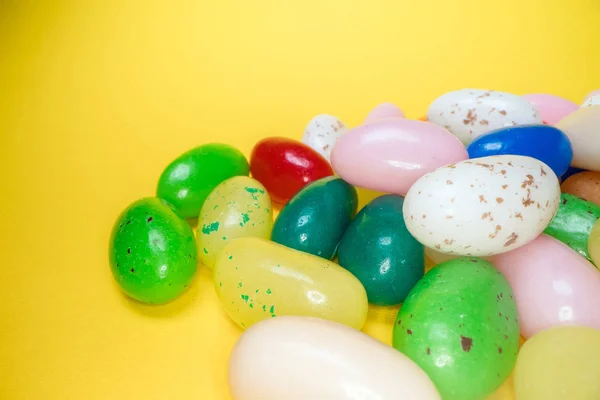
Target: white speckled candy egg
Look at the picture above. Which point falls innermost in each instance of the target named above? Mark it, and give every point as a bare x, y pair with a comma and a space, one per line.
592, 101
483, 206
321, 133
469, 113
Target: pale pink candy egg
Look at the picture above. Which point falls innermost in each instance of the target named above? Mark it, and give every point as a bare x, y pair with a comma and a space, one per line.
553, 285
391, 154
592, 93
551, 108
383, 111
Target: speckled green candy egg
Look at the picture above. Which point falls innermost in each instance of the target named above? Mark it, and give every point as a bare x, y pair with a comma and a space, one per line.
573, 223
188, 180
315, 219
238, 207
378, 249
460, 324
152, 252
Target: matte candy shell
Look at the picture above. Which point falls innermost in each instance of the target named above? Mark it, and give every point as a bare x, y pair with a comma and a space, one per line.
469, 113
316, 217
322, 132
256, 279
594, 244
187, 181
378, 249
573, 222
284, 166
383, 111
152, 252
592, 93
559, 364
585, 185
321, 360
238, 207
551, 108
391, 154
459, 324
553, 285
482, 207
582, 129
591, 101
542, 142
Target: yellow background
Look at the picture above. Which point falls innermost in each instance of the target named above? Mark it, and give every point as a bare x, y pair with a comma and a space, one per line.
97, 96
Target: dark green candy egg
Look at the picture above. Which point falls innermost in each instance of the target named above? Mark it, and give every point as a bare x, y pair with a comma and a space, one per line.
378, 249
573, 222
152, 252
189, 179
315, 219
459, 324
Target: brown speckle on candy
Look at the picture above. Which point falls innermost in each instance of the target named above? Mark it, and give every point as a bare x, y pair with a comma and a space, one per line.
511, 239
502, 112
449, 182
499, 200
519, 215
482, 199
504, 187
466, 343
471, 117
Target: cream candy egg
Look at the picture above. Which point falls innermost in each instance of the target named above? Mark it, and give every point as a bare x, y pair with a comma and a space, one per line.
469, 113
322, 132
308, 358
582, 129
483, 206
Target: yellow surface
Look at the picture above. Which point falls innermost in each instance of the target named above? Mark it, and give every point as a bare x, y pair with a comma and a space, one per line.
96, 97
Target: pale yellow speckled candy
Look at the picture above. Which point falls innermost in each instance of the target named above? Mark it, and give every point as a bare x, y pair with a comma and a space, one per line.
238, 207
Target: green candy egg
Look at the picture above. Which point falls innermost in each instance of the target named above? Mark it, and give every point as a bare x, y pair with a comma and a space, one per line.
459, 324
315, 219
152, 252
189, 179
573, 222
378, 249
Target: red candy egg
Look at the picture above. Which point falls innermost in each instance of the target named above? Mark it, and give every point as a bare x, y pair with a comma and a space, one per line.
284, 166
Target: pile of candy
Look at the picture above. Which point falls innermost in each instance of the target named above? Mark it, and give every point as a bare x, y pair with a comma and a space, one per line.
476, 187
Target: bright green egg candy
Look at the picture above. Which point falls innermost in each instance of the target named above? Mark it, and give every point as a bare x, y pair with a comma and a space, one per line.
573, 223
459, 324
378, 249
152, 252
315, 219
238, 207
188, 180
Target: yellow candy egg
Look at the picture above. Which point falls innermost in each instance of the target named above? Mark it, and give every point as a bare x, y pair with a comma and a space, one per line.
256, 279
594, 244
560, 364
238, 207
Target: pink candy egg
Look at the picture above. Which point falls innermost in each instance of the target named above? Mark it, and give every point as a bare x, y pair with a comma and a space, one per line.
551, 108
383, 111
391, 154
553, 285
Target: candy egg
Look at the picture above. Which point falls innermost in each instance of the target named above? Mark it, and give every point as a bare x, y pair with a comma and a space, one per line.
551, 108
469, 113
482, 207
542, 142
152, 252
238, 207
592, 93
594, 244
553, 285
573, 222
384, 111
391, 154
582, 129
187, 181
284, 166
591, 101
315, 219
585, 185
322, 132
559, 364
378, 249
570, 172
321, 360
256, 279
459, 323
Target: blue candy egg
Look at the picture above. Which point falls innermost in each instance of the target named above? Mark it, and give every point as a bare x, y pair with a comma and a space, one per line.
543, 142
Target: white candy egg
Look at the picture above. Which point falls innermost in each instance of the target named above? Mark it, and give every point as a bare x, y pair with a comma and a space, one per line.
592, 101
469, 113
482, 206
321, 133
